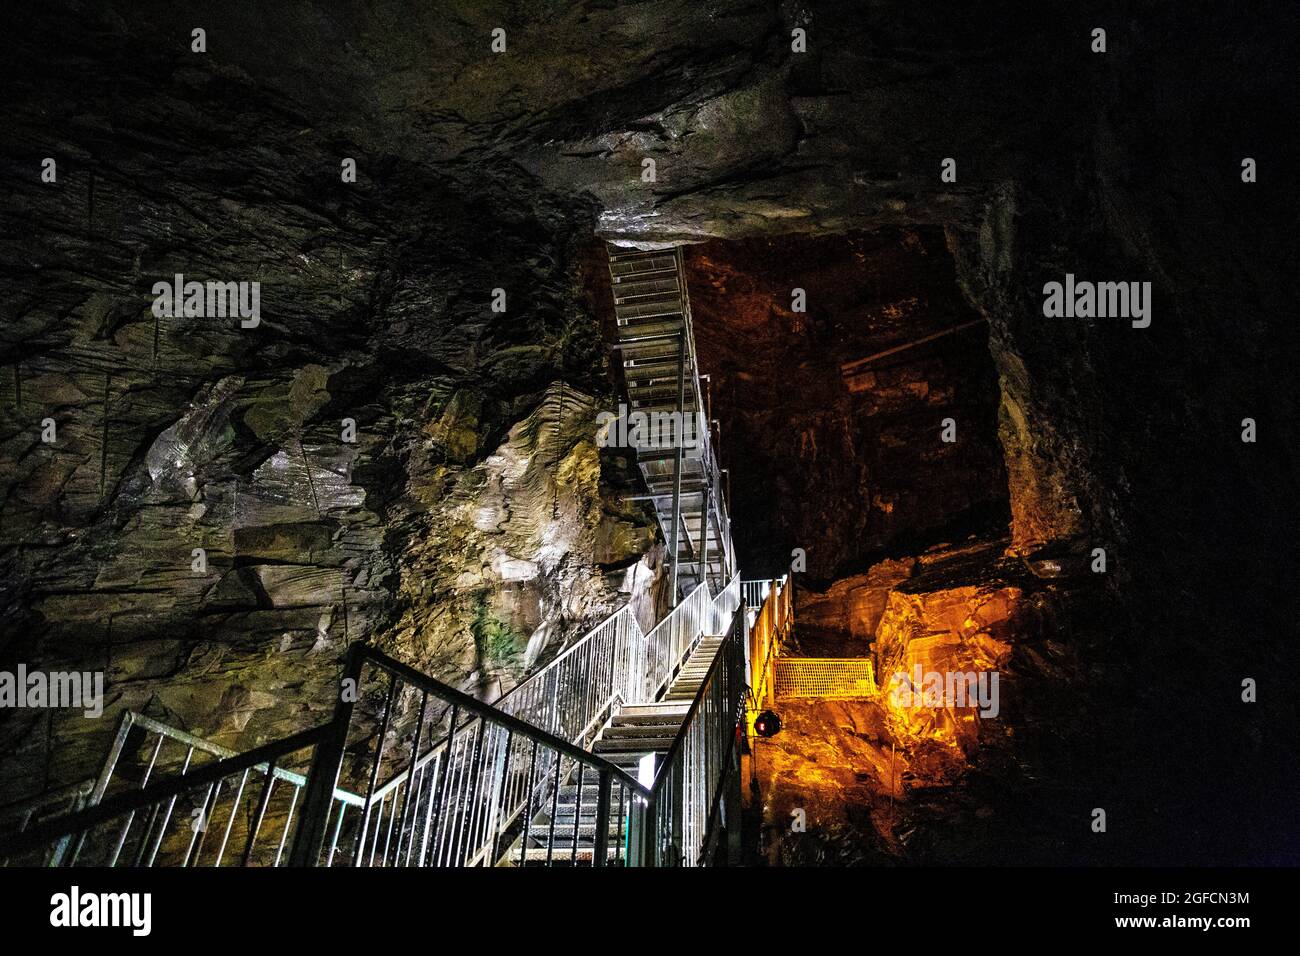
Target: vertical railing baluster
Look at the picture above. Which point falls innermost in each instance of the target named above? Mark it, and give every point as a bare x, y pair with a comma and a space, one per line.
555, 800
434, 774
577, 817
379, 825
200, 832
234, 809
258, 814
410, 770
528, 808
496, 823
414, 796
288, 823
334, 840
601, 840
440, 796
455, 790
374, 770
130, 817
472, 780
171, 805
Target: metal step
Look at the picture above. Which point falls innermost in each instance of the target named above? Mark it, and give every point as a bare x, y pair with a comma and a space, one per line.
641, 732
639, 265
538, 855
642, 745
631, 711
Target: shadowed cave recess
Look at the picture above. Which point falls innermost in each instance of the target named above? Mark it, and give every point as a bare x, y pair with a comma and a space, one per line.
476, 527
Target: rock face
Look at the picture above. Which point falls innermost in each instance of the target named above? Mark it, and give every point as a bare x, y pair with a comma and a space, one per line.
842, 620
846, 465
825, 785
510, 556
952, 633
222, 510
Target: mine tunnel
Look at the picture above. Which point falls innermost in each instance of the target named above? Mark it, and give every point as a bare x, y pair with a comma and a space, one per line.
321, 330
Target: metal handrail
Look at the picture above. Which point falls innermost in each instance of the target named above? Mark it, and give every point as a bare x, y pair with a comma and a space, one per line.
224, 753
263, 760
679, 741
511, 699
636, 670
491, 766
489, 712
80, 822
771, 623
700, 759
476, 790
579, 690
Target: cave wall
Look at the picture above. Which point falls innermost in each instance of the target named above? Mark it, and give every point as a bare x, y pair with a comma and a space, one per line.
471, 528
845, 466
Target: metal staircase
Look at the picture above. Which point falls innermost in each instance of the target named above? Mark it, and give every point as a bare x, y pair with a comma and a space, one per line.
656, 346
637, 739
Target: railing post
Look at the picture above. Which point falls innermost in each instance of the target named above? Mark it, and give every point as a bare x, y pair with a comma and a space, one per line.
364, 825
101, 785
313, 823
641, 833
601, 849
679, 437
704, 536
500, 771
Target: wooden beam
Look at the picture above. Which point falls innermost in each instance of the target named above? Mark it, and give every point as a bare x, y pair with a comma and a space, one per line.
849, 369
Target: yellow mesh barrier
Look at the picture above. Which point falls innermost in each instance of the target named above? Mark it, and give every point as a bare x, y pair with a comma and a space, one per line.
829, 677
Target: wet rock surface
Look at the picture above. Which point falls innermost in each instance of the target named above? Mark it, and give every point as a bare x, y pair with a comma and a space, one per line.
841, 621
383, 458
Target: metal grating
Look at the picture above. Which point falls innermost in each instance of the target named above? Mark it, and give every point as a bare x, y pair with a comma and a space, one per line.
827, 677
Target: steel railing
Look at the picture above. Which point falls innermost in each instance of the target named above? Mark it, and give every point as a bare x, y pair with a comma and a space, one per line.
572, 698
571, 695
475, 794
196, 815
755, 592
678, 825
489, 776
671, 641
771, 624
464, 781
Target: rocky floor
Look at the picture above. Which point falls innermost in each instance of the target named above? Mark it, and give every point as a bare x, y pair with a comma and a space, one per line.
878, 780
835, 788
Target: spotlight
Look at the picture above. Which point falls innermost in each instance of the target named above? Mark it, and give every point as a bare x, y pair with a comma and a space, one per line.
767, 724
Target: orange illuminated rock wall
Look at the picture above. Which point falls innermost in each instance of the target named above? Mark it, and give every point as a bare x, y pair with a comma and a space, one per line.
842, 620
958, 629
